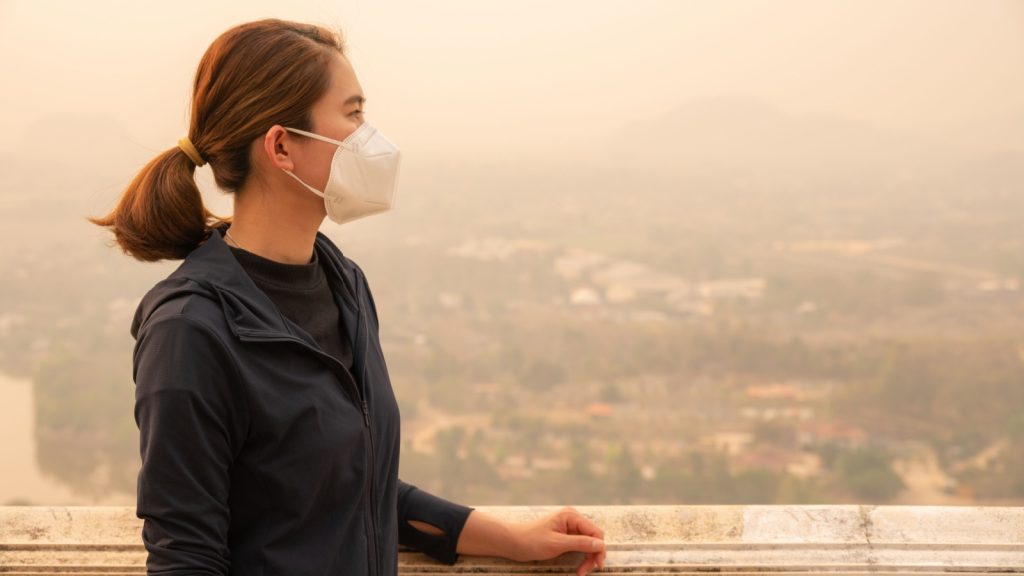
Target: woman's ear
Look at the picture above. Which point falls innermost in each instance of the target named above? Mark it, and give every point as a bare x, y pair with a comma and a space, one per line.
278, 146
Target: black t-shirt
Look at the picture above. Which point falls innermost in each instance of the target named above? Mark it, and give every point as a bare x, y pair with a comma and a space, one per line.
301, 293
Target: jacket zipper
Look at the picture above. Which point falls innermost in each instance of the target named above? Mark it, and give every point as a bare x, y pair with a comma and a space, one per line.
369, 429
373, 512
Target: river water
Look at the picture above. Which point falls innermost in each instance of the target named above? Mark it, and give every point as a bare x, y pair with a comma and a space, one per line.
21, 481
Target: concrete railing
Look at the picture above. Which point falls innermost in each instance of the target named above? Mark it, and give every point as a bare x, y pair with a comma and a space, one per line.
640, 539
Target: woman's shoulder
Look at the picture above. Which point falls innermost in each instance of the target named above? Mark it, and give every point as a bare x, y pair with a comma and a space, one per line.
179, 300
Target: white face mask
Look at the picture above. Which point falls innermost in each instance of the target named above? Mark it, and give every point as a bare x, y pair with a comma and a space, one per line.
364, 174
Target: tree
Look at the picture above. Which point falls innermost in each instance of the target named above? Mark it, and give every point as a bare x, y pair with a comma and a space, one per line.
867, 474
624, 476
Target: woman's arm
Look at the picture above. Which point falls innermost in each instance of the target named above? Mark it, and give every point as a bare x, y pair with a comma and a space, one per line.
443, 530
189, 424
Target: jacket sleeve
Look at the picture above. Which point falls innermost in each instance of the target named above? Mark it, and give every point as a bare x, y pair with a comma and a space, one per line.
189, 430
416, 504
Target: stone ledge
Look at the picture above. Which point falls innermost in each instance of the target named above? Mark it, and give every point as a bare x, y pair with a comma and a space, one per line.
652, 540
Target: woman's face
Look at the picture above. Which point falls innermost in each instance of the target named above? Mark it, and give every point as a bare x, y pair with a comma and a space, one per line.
336, 115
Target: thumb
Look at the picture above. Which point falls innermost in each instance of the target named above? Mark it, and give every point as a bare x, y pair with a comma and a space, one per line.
584, 544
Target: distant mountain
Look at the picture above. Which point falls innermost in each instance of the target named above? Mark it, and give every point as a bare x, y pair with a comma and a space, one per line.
63, 169
69, 166
998, 134
750, 137
97, 143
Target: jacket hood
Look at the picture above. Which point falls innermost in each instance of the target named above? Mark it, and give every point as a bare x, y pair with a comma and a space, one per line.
211, 271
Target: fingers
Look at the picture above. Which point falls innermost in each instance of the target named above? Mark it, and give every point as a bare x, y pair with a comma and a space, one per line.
598, 560
581, 533
585, 567
584, 544
579, 524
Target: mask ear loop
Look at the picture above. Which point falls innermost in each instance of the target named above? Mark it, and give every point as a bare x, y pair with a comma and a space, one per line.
319, 137
311, 189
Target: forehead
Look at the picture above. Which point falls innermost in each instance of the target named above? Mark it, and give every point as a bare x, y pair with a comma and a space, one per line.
344, 84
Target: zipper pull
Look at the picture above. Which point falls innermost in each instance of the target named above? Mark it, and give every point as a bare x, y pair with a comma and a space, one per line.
366, 414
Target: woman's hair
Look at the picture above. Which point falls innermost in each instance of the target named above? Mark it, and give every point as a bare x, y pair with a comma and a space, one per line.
252, 77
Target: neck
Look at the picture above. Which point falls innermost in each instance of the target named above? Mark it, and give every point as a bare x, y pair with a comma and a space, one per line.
276, 228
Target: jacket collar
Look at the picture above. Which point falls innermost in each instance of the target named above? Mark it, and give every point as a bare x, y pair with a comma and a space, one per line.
211, 270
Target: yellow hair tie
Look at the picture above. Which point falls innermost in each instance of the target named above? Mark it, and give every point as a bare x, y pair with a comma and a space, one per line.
186, 146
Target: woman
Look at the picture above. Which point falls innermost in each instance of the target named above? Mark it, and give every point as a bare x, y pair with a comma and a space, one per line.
269, 431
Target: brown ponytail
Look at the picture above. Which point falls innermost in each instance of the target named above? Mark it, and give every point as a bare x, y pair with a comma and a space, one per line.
251, 77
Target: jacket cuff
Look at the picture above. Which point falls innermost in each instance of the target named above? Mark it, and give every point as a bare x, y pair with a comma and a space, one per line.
446, 515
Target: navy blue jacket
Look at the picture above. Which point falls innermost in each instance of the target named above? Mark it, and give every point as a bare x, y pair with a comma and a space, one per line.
262, 455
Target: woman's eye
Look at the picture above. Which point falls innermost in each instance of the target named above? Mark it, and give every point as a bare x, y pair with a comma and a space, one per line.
356, 112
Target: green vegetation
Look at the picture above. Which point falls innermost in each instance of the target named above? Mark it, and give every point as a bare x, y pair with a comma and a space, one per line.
85, 433
868, 475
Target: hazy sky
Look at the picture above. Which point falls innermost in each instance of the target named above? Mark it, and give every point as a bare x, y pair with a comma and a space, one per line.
536, 78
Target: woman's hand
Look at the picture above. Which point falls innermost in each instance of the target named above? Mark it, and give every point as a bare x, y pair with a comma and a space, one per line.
564, 531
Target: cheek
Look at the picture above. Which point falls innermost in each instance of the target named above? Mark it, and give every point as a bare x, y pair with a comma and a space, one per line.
321, 170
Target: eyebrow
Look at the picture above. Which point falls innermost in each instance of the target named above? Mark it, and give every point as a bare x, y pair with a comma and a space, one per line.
357, 99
